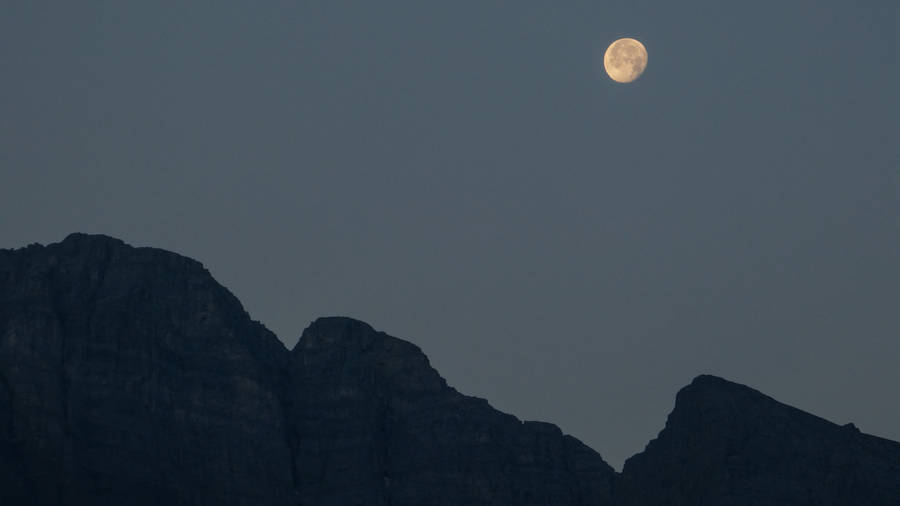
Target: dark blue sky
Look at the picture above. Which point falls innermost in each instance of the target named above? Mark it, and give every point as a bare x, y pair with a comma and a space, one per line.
462, 175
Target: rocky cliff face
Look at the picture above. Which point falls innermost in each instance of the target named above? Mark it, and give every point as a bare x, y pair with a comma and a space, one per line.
725, 444
129, 376
374, 424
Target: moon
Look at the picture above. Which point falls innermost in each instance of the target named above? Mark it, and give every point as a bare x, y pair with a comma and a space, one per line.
625, 60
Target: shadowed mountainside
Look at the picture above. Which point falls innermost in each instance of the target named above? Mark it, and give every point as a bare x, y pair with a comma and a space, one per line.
129, 376
725, 444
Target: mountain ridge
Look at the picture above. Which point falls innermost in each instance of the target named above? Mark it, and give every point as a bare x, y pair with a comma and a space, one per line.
111, 354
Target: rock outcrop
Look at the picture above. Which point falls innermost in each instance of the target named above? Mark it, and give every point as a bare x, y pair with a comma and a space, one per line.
129, 376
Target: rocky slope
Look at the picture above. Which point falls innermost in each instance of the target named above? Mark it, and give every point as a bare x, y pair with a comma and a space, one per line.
374, 424
132, 377
725, 444
129, 376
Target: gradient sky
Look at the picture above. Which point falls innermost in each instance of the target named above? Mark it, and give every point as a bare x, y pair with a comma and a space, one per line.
460, 174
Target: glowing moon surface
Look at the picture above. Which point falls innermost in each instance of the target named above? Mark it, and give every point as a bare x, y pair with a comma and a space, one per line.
625, 60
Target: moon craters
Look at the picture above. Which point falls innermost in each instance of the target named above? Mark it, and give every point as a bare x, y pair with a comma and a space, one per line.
625, 60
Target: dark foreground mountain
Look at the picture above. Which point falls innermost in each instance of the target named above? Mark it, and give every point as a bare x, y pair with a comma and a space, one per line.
129, 376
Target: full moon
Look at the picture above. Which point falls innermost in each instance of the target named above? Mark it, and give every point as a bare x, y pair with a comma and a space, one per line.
625, 60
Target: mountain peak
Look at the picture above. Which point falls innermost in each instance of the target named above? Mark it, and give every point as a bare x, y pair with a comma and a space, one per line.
717, 403
333, 330
722, 386
709, 379
129, 375
747, 448
343, 345
82, 237
708, 390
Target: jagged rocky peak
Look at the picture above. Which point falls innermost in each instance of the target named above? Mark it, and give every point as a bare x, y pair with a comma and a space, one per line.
342, 347
712, 404
115, 359
714, 415
79, 247
88, 274
83, 242
84, 238
374, 424
706, 387
707, 394
84, 263
339, 331
728, 444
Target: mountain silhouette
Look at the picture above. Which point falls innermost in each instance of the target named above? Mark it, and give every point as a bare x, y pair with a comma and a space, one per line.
728, 444
130, 376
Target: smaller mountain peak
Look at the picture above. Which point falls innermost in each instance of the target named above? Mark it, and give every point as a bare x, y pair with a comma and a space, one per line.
710, 380
84, 237
80, 240
748, 448
715, 384
75, 242
350, 347
89, 246
343, 326
331, 330
708, 390
717, 404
